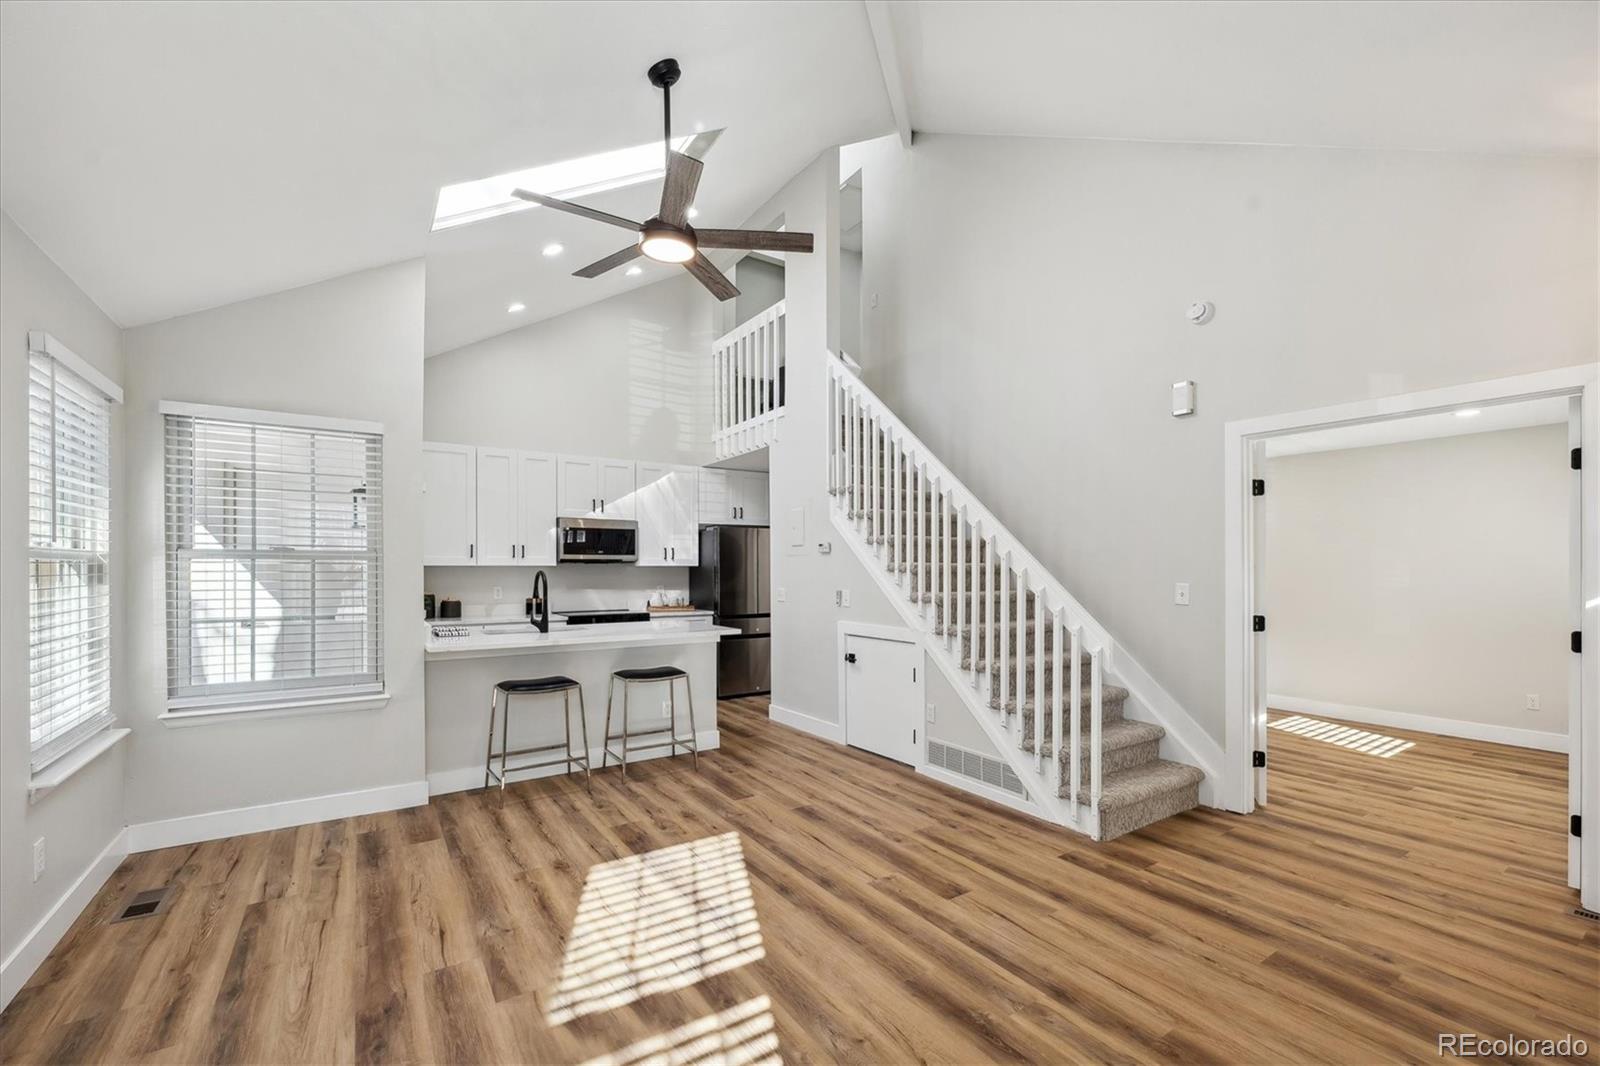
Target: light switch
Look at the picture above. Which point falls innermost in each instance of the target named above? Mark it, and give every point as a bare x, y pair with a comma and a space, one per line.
844, 597
1180, 594
780, 594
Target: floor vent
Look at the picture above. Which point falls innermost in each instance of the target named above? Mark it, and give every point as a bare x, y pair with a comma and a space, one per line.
1583, 912
993, 772
144, 904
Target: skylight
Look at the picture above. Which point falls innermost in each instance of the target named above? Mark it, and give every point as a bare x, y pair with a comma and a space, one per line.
474, 201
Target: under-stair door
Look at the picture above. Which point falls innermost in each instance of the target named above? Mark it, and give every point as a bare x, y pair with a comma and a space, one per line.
883, 697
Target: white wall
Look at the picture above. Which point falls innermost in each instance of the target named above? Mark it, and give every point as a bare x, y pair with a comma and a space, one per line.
1031, 338
347, 348
627, 378
1427, 578
79, 819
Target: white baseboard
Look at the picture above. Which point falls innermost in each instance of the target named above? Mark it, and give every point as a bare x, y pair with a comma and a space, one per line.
36, 946
469, 777
194, 828
1422, 723
817, 727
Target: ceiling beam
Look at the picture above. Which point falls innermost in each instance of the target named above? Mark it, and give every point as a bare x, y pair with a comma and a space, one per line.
879, 18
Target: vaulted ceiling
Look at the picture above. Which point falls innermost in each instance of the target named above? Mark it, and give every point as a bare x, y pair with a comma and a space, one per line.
177, 156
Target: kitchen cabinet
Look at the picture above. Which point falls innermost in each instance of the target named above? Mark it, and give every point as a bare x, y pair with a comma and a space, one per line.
667, 507
733, 497
487, 506
449, 505
596, 488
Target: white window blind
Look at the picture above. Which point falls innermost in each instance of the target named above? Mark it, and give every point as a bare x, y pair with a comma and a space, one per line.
274, 561
69, 546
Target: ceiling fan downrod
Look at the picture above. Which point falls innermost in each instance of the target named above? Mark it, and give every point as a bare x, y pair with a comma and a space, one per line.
664, 74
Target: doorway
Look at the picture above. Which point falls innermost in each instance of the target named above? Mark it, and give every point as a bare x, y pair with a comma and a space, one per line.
1249, 628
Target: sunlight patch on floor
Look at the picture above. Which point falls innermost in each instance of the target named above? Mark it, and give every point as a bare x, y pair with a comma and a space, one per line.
656, 922
742, 1035
1344, 736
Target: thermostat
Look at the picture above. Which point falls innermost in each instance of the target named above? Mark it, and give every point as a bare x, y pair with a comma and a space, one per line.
1182, 398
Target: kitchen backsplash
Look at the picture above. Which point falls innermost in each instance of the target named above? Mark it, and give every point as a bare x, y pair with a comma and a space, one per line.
572, 586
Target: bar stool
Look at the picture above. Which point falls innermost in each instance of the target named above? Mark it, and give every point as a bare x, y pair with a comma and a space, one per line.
645, 676
531, 687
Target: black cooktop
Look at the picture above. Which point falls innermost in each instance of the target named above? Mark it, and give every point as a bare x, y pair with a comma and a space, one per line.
618, 614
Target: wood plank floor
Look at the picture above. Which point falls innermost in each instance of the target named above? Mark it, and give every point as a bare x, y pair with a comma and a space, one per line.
798, 900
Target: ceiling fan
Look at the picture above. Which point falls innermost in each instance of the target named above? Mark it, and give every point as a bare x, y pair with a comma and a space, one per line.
668, 237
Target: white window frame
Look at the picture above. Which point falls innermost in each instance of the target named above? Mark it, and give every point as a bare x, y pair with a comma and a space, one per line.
56, 759
253, 699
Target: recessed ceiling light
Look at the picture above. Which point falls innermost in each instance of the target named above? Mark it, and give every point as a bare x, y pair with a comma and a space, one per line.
515, 307
694, 212
554, 248
634, 271
1469, 412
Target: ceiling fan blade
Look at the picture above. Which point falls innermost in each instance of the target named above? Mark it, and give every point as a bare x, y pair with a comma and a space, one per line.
683, 177
610, 262
574, 209
712, 278
754, 240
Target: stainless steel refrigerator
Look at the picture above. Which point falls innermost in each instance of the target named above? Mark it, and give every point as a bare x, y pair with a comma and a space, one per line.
734, 580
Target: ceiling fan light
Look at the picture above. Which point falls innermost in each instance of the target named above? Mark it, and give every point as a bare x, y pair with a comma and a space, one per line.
666, 246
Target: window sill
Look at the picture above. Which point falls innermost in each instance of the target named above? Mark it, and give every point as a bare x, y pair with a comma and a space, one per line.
51, 777
180, 717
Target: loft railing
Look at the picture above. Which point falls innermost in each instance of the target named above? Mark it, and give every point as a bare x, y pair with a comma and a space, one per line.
945, 549
748, 394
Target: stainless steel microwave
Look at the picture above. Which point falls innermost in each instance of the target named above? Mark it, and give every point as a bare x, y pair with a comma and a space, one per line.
597, 540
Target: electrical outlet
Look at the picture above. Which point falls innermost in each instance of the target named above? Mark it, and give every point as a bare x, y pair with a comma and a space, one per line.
38, 858
1533, 701
933, 713
498, 592
1180, 594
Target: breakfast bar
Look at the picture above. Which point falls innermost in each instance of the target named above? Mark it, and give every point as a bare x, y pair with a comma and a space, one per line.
466, 658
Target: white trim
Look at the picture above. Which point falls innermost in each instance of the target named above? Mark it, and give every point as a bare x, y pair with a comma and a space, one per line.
42, 343
269, 418
441, 782
805, 723
1184, 741
1020, 804
59, 769
34, 948
237, 821
1422, 723
1240, 437
183, 713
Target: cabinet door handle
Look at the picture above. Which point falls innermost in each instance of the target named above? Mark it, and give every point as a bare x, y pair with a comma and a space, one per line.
471, 549
663, 553
602, 506
674, 553
592, 501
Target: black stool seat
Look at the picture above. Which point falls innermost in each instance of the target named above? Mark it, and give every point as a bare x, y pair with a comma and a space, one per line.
537, 684
650, 673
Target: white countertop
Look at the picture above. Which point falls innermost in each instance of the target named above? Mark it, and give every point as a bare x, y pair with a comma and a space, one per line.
510, 637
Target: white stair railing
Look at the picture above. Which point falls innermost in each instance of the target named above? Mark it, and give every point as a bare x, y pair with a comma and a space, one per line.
748, 383
968, 581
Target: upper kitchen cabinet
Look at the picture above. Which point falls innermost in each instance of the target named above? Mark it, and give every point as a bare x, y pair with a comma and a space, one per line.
449, 505
667, 505
733, 497
596, 488
498, 535
536, 508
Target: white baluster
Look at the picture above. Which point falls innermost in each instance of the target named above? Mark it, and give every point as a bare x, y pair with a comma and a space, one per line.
1096, 756
1022, 643
1075, 702
890, 497
1057, 665
1004, 611
919, 565
1038, 677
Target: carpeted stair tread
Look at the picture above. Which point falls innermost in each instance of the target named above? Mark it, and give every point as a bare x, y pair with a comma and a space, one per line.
1115, 736
1129, 787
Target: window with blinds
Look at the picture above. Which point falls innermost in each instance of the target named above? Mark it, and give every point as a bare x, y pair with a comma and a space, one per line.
69, 547
274, 561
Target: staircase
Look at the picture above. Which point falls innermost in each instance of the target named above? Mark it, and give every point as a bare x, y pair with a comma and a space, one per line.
1034, 668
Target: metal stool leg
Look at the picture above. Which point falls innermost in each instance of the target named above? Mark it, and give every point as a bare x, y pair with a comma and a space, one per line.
694, 735
566, 723
626, 685
672, 718
583, 726
505, 738
488, 756
605, 735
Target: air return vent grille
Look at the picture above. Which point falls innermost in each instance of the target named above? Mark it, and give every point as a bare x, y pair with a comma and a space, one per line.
144, 904
992, 772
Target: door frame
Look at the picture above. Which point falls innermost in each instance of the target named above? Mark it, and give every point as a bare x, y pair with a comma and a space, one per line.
1243, 786
899, 635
